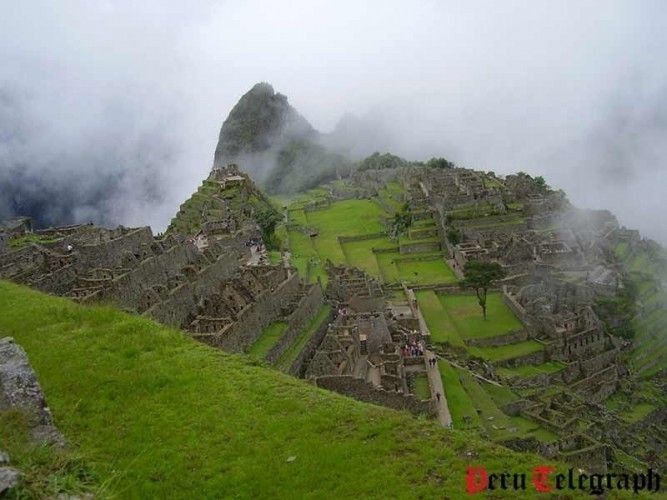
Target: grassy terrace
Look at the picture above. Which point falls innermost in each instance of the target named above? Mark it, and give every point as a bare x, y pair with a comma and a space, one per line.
422, 388
509, 351
454, 318
288, 356
360, 254
151, 413
476, 405
395, 268
467, 315
346, 218
650, 354
268, 339
531, 370
356, 217
21, 241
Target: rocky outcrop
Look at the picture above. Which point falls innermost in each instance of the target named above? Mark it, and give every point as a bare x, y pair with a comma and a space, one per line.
270, 139
9, 478
259, 121
19, 389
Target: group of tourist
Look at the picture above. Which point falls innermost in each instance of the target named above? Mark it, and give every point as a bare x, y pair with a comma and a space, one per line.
413, 349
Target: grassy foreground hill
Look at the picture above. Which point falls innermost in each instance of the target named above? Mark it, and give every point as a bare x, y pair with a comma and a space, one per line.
150, 413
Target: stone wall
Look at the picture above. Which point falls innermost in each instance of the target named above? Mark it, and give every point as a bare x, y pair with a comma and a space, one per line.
298, 368
181, 303
254, 317
126, 289
57, 282
533, 358
419, 247
423, 232
515, 307
307, 307
363, 391
509, 338
361, 237
597, 363
111, 253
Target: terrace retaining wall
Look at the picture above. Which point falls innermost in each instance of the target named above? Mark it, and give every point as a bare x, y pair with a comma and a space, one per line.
363, 391
299, 365
307, 307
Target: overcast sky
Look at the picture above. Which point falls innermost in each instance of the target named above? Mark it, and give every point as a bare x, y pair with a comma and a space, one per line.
135, 92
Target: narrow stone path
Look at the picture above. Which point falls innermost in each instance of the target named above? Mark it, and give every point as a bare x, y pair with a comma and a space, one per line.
435, 382
285, 256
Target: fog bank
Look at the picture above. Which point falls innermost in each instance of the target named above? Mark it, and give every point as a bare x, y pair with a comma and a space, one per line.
110, 111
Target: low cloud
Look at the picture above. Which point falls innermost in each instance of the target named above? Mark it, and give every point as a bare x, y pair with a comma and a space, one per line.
111, 111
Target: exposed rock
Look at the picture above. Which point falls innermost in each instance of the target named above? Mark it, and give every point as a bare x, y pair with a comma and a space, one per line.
9, 478
261, 119
277, 145
20, 389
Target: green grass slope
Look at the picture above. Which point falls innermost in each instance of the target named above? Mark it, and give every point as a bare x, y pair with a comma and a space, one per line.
154, 414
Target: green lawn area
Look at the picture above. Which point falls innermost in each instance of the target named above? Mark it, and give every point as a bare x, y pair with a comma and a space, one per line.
268, 339
423, 223
284, 362
388, 270
151, 413
452, 318
499, 425
467, 315
438, 321
464, 414
473, 211
23, 240
302, 253
423, 272
484, 223
390, 196
360, 254
275, 256
509, 351
343, 218
466, 395
637, 412
422, 387
395, 267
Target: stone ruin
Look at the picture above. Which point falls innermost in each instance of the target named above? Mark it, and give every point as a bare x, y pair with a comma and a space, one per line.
360, 354
557, 260
558, 264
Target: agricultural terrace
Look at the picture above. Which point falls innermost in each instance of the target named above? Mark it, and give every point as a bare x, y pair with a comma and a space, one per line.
455, 318
319, 230
476, 405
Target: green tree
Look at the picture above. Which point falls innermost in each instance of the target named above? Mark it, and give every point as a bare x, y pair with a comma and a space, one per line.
480, 276
268, 218
439, 163
454, 235
540, 182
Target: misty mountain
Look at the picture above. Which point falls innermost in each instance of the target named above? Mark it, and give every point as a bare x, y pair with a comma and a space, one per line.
269, 138
358, 137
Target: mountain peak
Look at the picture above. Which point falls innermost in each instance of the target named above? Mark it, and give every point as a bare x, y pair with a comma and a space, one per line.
260, 120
